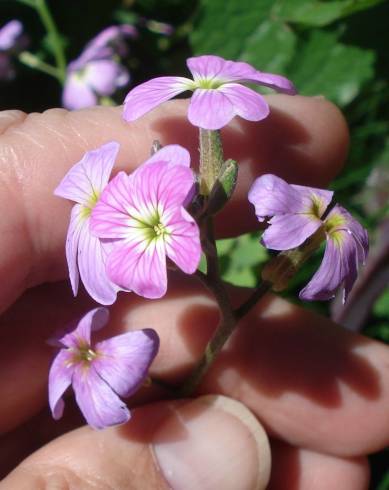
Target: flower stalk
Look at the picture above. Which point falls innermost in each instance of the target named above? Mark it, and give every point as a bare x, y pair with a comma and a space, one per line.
211, 159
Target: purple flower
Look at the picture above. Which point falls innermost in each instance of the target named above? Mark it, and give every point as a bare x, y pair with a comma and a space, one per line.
100, 373
295, 213
218, 94
11, 39
85, 253
144, 214
96, 72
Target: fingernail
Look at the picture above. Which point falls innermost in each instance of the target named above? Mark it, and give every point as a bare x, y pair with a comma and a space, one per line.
212, 443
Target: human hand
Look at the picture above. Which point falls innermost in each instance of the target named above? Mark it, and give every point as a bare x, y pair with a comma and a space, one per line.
320, 392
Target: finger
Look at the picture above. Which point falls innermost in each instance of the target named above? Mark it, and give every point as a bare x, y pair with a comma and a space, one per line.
309, 381
209, 443
301, 469
304, 139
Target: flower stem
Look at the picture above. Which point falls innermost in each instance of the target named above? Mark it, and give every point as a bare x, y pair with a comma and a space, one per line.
33, 61
48, 21
211, 159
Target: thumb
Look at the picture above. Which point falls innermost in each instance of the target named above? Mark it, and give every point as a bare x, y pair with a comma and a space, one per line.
210, 443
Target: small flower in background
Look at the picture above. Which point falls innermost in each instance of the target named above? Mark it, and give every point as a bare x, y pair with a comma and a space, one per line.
85, 253
97, 71
218, 94
11, 41
100, 373
296, 213
144, 214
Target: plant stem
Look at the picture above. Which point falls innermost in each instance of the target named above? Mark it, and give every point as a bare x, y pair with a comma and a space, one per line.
211, 159
48, 21
33, 61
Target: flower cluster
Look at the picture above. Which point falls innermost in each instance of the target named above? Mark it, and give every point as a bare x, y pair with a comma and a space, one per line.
124, 232
97, 72
294, 213
11, 41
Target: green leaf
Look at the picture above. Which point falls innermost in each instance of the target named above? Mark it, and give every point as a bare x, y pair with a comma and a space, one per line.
270, 47
381, 307
325, 66
223, 26
318, 13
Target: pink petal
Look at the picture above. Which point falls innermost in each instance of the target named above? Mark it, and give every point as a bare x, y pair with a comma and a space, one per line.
123, 361
110, 217
246, 103
60, 378
9, 34
139, 266
158, 187
72, 239
276, 82
174, 154
151, 94
214, 67
289, 231
105, 76
272, 196
92, 256
339, 267
81, 335
87, 178
320, 197
98, 403
183, 245
210, 109
77, 94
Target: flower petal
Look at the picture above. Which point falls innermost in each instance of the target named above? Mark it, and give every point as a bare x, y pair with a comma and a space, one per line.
272, 196
151, 94
158, 187
210, 109
92, 255
105, 76
60, 378
339, 267
77, 222
139, 266
87, 178
183, 245
98, 403
110, 216
174, 154
214, 67
313, 198
123, 361
246, 103
77, 94
9, 34
276, 82
289, 231
81, 336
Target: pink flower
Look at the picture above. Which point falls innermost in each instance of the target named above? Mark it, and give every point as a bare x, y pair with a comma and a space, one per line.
144, 215
100, 374
85, 253
97, 72
295, 213
11, 41
218, 93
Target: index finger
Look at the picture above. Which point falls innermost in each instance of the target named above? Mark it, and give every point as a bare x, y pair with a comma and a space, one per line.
303, 140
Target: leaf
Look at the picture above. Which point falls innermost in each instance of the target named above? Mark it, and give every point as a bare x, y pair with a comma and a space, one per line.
323, 65
270, 47
223, 26
381, 307
318, 13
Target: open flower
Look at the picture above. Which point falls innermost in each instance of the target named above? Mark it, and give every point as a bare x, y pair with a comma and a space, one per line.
97, 72
100, 373
294, 214
143, 213
218, 93
85, 253
11, 39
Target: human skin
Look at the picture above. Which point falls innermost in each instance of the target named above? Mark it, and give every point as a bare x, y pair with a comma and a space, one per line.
320, 392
